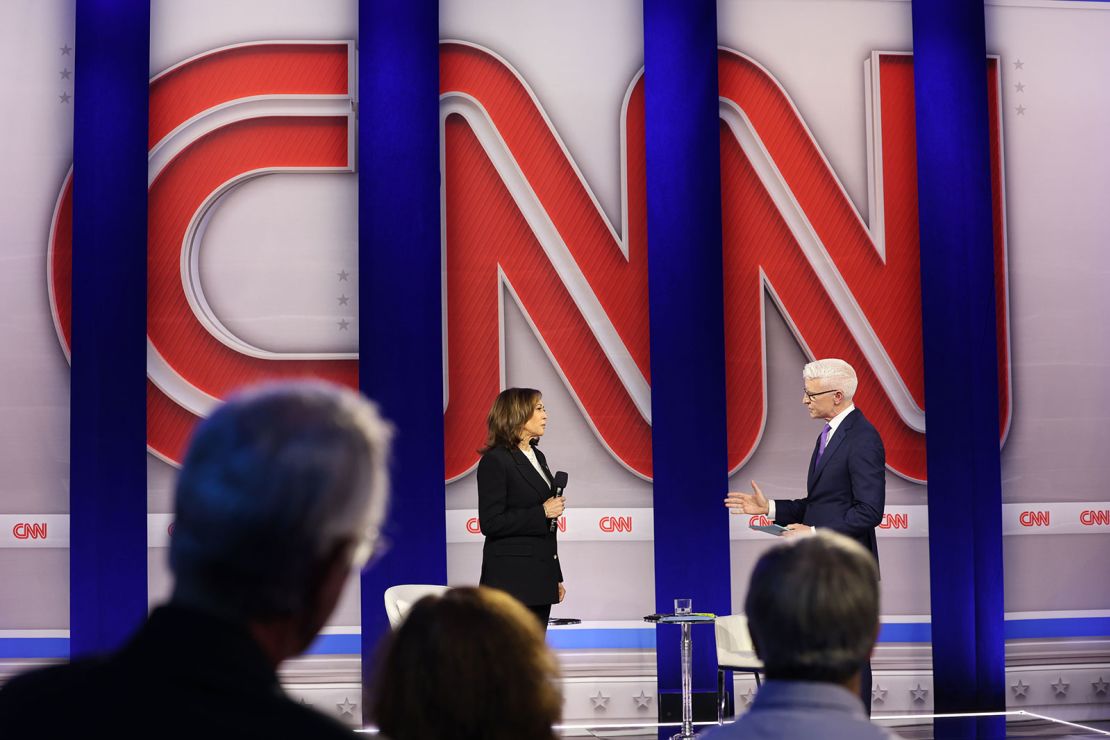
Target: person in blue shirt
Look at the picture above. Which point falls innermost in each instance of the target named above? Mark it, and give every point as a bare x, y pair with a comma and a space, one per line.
813, 613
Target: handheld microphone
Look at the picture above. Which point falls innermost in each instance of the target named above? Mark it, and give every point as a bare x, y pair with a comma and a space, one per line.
558, 484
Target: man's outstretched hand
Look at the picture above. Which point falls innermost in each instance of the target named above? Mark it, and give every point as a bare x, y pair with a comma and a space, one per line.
739, 502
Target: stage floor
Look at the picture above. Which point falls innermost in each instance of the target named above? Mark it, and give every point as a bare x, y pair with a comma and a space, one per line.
1018, 725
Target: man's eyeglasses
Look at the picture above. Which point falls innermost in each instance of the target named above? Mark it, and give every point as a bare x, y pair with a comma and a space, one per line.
812, 396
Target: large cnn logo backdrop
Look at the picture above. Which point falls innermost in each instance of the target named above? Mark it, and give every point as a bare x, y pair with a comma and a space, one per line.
522, 221
254, 269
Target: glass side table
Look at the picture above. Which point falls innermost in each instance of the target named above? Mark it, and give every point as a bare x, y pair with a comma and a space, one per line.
686, 621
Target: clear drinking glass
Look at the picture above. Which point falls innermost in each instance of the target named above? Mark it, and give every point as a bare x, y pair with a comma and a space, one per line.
683, 606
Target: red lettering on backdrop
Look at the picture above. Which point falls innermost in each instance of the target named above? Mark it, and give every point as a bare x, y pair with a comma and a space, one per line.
759, 246
487, 236
188, 181
486, 233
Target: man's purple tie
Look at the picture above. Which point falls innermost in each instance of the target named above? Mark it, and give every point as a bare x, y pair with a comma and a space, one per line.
821, 447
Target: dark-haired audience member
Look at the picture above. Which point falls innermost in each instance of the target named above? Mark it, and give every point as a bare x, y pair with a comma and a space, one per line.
813, 613
280, 496
471, 664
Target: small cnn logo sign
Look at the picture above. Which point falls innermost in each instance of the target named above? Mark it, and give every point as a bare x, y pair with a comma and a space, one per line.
895, 521
615, 524
29, 530
1035, 519
1095, 517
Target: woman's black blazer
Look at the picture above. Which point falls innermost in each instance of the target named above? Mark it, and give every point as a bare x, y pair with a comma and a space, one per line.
521, 553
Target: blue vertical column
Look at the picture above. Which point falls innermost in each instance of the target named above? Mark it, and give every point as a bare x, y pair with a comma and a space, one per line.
961, 363
107, 497
400, 311
689, 446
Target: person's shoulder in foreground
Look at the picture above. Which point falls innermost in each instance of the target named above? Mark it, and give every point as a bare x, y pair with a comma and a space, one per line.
280, 496
98, 697
802, 709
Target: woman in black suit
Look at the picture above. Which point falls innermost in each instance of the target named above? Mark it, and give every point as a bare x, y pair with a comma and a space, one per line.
516, 506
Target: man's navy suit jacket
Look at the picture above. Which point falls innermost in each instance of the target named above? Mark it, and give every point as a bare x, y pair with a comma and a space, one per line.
847, 489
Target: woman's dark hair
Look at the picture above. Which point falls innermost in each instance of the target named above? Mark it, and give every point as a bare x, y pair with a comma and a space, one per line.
471, 664
511, 410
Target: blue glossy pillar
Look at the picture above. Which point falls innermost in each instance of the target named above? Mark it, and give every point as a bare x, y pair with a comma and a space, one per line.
689, 452
400, 355
961, 364
108, 553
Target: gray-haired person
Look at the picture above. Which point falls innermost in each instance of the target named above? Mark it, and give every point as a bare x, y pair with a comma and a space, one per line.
813, 613
281, 494
846, 483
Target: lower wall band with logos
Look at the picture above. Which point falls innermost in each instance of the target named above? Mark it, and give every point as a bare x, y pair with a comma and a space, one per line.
628, 524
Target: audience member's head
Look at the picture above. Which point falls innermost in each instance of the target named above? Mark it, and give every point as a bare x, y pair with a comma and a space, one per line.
813, 608
469, 664
282, 490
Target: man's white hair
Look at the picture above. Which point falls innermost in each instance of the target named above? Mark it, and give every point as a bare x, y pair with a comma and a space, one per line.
834, 374
273, 481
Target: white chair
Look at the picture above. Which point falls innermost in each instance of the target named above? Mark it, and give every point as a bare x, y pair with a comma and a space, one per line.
399, 599
735, 652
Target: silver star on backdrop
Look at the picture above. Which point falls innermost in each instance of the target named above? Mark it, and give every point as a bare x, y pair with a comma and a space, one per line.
343, 276
343, 324
1060, 687
343, 300
1021, 110
878, 694
347, 707
64, 98
642, 701
1020, 87
65, 73
66, 49
748, 697
600, 701
1020, 689
1100, 686
1019, 64
919, 693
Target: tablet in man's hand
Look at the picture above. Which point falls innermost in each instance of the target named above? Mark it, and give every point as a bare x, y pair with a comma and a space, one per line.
774, 529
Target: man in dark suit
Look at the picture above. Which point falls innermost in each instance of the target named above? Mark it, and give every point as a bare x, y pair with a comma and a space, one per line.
280, 496
846, 485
